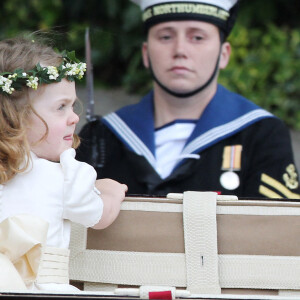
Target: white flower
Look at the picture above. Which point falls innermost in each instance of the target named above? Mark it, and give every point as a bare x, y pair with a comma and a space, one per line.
5, 84
53, 73
2, 79
72, 69
81, 69
13, 75
76, 69
32, 82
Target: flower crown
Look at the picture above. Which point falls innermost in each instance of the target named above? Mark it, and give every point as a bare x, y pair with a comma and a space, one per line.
71, 68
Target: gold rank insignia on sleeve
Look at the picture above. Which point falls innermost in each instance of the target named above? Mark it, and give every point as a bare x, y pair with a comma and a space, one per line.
272, 188
290, 177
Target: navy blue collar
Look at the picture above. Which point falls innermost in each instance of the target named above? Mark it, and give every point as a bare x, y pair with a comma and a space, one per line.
226, 114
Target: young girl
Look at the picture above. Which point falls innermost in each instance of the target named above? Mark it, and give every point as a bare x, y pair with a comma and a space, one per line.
42, 187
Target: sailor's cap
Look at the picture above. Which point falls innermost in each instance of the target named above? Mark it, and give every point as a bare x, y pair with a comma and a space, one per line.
221, 13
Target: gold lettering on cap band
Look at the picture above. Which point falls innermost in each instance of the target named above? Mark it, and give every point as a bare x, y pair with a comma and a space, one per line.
179, 8
147, 14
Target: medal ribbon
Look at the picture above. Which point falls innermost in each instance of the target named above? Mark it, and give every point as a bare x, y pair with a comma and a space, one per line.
232, 158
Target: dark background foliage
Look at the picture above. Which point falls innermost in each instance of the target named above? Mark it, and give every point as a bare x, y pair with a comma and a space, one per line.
265, 62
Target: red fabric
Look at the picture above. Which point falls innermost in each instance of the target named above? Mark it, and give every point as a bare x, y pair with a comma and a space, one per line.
161, 295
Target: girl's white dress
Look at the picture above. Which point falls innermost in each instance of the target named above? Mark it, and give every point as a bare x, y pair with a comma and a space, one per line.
56, 192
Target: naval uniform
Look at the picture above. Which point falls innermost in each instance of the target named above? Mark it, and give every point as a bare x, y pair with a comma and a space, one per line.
236, 148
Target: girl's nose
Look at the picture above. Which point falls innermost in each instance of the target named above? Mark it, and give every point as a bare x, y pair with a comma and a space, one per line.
74, 119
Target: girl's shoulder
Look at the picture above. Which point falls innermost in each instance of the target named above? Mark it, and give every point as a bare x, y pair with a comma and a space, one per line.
82, 203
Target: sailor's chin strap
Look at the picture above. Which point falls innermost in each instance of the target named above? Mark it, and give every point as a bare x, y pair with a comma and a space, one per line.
190, 93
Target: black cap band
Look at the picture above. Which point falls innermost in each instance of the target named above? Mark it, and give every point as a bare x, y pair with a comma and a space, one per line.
180, 11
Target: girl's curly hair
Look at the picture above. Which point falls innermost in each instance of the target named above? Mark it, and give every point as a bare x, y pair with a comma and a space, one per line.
24, 53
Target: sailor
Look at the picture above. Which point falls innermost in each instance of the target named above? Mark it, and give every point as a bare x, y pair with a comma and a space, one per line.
189, 132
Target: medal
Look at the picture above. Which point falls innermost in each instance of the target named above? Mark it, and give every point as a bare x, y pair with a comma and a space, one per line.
230, 180
231, 162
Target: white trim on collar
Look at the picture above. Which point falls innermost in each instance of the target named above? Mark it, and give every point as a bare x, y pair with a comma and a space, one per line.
222, 130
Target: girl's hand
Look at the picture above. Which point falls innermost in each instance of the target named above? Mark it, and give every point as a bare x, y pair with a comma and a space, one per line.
112, 195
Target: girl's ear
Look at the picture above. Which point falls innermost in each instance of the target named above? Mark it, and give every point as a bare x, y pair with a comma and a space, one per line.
145, 54
225, 55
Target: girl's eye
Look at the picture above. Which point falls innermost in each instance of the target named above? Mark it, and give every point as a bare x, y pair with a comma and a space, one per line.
61, 107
